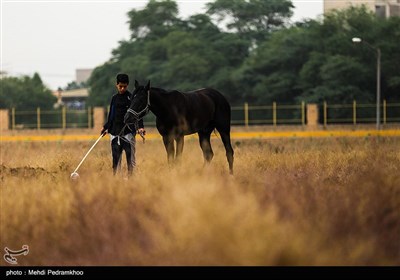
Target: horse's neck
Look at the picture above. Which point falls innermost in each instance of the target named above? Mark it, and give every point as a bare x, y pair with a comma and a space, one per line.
157, 101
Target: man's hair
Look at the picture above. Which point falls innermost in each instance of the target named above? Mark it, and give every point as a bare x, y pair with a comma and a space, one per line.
122, 78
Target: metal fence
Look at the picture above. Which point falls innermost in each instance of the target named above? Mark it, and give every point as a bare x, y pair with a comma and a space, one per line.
44, 119
274, 114
359, 113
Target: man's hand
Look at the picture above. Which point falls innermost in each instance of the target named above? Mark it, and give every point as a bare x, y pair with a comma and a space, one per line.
103, 131
142, 133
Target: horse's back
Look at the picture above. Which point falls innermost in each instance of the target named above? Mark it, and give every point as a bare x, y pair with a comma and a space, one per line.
222, 105
217, 97
222, 108
203, 108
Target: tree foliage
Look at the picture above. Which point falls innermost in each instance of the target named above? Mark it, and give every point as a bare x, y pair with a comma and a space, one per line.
252, 18
155, 20
316, 60
245, 49
256, 57
25, 93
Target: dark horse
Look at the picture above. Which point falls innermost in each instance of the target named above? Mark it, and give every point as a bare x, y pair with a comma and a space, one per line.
179, 114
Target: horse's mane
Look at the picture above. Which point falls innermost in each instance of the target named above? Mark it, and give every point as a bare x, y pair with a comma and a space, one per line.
163, 91
160, 90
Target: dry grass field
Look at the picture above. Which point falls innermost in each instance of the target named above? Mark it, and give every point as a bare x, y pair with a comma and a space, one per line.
329, 201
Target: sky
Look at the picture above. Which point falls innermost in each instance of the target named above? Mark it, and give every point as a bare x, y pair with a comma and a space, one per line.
54, 38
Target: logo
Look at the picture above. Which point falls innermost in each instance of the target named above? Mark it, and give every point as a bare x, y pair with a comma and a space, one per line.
9, 256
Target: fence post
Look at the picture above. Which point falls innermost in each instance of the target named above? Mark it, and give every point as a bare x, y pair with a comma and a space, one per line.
98, 118
64, 117
4, 119
274, 113
354, 112
89, 116
303, 118
312, 116
38, 117
246, 114
13, 118
325, 114
384, 111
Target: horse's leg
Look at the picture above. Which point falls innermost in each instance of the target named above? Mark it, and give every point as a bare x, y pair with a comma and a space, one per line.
169, 147
204, 139
226, 139
179, 147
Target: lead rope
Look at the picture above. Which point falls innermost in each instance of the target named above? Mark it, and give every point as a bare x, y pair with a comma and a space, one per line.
120, 136
146, 110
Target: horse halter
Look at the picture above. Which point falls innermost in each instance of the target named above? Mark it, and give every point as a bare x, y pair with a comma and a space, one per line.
145, 110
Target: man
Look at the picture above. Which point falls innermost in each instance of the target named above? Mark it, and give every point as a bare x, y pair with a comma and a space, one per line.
122, 136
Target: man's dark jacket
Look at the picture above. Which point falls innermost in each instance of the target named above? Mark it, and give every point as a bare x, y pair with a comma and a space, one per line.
118, 107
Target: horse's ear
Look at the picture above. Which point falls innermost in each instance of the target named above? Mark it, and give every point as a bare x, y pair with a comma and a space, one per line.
148, 85
136, 84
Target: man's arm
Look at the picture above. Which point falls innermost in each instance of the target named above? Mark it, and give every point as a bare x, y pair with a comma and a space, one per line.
109, 117
140, 124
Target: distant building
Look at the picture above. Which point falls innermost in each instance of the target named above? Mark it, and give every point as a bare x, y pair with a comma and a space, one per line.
82, 75
72, 99
382, 8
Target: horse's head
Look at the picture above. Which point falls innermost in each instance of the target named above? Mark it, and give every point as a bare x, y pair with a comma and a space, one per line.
140, 103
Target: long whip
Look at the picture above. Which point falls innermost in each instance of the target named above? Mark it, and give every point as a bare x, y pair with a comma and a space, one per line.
75, 174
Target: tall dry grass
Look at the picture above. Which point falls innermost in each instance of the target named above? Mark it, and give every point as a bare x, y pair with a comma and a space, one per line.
290, 202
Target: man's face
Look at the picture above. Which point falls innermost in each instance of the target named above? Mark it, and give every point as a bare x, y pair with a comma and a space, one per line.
122, 87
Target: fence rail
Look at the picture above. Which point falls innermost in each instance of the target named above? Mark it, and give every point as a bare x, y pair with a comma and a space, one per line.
268, 114
42, 119
273, 114
359, 113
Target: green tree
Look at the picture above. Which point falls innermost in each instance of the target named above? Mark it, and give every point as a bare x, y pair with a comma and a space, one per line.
155, 20
389, 38
25, 93
341, 81
186, 54
316, 60
274, 67
102, 82
74, 85
252, 18
259, 59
